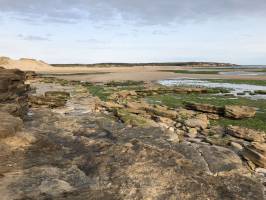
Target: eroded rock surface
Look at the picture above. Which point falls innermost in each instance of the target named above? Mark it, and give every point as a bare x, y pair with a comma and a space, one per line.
246, 134
256, 152
9, 125
13, 92
72, 152
239, 112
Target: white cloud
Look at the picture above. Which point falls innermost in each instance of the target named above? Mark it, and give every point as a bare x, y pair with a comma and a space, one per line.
149, 12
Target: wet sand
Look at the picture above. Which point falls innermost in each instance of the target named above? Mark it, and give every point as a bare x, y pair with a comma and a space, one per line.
106, 74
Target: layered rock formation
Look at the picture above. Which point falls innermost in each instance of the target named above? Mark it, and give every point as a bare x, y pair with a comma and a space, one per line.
87, 149
13, 92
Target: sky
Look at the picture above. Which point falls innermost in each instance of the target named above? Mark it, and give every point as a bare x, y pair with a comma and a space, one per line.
93, 31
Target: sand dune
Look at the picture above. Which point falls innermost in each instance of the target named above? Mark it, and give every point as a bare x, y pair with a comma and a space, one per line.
24, 64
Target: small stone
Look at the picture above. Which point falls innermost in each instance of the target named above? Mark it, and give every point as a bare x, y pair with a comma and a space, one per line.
236, 146
178, 125
192, 133
213, 116
172, 129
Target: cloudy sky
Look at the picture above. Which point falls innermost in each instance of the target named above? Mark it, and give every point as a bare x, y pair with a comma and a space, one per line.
90, 31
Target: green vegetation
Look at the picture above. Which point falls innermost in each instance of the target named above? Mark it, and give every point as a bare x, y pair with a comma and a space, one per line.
100, 91
198, 64
104, 91
190, 72
177, 100
263, 92
124, 83
132, 119
257, 123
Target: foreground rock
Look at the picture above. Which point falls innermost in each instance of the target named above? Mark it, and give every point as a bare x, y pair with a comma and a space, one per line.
83, 157
129, 118
204, 108
200, 121
13, 92
239, 112
57, 95
246, 134
229, 111
52, 99
256, 153
9, 125
73, 153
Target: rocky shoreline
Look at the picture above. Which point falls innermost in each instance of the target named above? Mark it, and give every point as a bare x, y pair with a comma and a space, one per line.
59, 141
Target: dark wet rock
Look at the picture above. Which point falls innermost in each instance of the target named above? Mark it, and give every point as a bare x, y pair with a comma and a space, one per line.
245, 133
239, 112
204, 108
261, 92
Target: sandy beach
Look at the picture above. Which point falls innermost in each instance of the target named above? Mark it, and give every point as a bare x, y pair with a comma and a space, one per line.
151, 76
106, 74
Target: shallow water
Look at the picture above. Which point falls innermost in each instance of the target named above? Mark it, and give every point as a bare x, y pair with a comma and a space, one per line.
235, 88
243, 73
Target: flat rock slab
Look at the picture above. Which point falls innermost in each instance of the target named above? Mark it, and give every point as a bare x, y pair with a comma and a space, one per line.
246, 134
256, 153
221, 159
239, 112
90, 156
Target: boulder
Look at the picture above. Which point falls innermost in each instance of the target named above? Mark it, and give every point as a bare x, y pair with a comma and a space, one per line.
161, 111
256, 153
239, 112
245, 133
9, 125
184, 113
44, 101
221, 159
200, 121
52, 99
204, 108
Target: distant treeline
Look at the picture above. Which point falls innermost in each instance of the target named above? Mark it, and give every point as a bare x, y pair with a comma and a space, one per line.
197, 64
